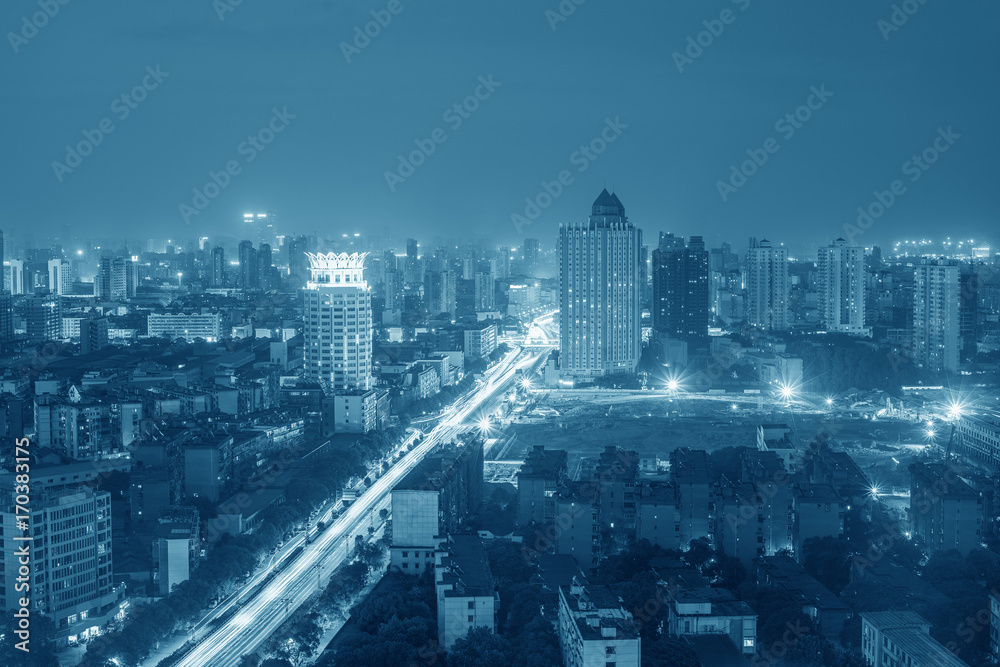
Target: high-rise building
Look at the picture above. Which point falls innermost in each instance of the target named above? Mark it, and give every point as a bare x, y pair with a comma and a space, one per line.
936, 340
412, 268
117, 279
44, 317
249, 269
298, 266
102, 281
6, 318
842, 288
338, 321
218, 275
60, 277
124, 278
485, 298
680, 288
530, 256
265, 268
599, 292
503, 263
71, 574
14, 276
3, 285
440, 290
766, 279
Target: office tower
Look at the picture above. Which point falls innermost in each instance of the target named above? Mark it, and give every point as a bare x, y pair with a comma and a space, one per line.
484, 290
60, 277
392, 281
599, 292
440, 292
298, 266
102, 281
249, 275
338, 321
124, 278
503, 263
936, 341
257, 227
842, 288
413, 271
529, 256
645, 293
680, 304
71, 564
265, 267
14, 276
766, 279
44, 318
218, 274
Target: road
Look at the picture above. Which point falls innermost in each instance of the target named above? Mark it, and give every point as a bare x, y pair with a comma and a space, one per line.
262, 615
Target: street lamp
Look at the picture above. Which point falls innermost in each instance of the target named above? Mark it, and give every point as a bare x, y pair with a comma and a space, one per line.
672, 385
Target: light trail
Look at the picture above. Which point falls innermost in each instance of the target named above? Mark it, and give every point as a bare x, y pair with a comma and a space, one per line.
225, 646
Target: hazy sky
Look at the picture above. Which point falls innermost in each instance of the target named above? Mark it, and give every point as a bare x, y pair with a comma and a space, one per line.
554, 91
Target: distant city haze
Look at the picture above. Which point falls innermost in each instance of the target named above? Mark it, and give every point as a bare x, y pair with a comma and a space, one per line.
171, 101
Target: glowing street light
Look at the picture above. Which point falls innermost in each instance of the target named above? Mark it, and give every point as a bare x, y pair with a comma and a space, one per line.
829, 401
672, 385
484, 425
786, 392
526, 383
734, 407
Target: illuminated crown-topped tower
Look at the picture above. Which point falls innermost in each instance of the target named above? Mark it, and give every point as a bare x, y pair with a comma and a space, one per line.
338, 321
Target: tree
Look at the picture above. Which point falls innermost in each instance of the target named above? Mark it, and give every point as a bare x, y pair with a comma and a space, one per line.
481, 648
828, 560
668, 651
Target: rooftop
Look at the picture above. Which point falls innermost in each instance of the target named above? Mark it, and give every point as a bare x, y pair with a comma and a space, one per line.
464, 566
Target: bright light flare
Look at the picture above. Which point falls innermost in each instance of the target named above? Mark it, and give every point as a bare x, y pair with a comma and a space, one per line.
484, 424
786, 391
829, 401
526, 383
672, 385
734, 407
930, 433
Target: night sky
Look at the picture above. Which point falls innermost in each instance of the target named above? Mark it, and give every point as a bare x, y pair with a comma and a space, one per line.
553, 90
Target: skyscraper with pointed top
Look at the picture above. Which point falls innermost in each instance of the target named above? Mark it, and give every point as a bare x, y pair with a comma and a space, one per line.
599, 293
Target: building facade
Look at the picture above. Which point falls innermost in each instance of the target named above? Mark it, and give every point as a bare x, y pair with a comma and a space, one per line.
338, 322
842, 288
595, 630
766, 281
936, 337
599, 293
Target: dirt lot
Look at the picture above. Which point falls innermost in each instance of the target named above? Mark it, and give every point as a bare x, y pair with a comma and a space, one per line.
583, 423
